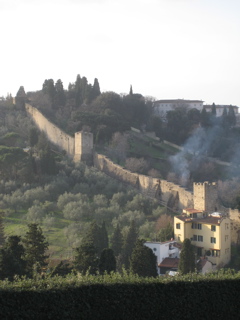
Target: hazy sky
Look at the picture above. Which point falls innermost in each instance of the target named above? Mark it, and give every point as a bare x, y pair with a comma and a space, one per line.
167, 49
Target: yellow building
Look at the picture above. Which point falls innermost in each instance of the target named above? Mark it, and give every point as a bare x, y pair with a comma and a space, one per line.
210, 233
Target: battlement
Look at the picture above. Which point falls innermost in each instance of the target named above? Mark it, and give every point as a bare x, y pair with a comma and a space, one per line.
205, 196
205, 183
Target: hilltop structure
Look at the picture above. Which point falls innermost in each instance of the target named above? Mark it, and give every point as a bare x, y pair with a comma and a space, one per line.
161, 107
80, 148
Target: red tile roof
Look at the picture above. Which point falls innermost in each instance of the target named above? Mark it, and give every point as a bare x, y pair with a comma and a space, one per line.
169, 263
206, 220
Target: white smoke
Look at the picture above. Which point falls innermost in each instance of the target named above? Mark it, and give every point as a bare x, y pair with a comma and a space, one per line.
196, 148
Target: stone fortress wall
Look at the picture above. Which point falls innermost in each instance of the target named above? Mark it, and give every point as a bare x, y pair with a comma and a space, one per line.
152, 187
54, 134
80, 148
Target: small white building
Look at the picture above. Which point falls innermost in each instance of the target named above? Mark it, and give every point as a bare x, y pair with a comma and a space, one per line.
162, 250
161, 107
205, 266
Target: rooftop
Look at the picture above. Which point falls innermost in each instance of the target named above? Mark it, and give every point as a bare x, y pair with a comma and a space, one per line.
206, 220
169, 263
178, 101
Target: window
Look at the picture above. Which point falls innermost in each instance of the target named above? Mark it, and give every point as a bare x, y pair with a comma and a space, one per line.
215, 253
197, 226
213, 228
226, 238
200, 238
227, 250
194, 237
213, 240
193, 215
226, 226
178, 226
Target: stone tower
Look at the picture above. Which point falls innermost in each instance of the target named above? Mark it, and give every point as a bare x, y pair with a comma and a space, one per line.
205, 196
83, 147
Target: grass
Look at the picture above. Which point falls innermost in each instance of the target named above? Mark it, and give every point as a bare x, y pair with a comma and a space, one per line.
143, 149
16, 224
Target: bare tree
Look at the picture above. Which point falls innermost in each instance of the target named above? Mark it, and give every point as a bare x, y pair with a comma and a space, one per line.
136, 165
119, 146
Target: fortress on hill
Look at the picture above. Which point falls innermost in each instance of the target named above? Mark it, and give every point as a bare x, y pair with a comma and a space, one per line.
80, 148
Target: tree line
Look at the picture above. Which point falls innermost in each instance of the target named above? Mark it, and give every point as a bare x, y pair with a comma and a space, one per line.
26, 256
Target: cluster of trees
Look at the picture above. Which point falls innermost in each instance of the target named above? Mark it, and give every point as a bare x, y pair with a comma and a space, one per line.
23, 255
78, 92
83, 105
182, 121
126, 251
26, 256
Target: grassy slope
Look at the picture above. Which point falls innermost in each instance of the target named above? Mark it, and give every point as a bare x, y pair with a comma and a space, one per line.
16, 224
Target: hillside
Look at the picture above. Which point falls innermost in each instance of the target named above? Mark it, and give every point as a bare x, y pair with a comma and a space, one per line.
34, 182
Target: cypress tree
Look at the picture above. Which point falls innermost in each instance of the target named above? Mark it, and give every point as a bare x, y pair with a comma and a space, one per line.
97, 236
143, 260
86, 259
117, 241
84, 89
107, 262
95, 89
12, 258
224, 118
78, 92
60, 97
129, 244
131, 91
231, 116
214, 111
21, 97
187, 258
48, 88
35, 245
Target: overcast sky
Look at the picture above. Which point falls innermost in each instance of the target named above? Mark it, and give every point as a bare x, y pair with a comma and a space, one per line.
167, 49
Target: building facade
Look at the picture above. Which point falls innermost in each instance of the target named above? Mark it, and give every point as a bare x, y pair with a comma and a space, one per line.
161, 107
209, 233
163, 250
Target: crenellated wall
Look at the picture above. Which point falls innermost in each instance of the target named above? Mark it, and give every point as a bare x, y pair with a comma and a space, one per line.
54, 134
145, 184
80, 147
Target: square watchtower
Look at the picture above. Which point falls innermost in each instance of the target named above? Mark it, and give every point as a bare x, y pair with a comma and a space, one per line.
205, 196
83, 147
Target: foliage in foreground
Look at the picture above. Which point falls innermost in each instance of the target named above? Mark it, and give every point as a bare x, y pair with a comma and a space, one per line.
74, 280
125, 297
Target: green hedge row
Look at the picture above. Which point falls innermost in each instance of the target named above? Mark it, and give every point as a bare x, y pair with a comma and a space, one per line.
204, 299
